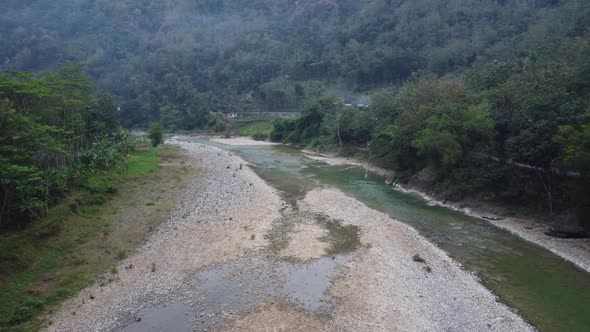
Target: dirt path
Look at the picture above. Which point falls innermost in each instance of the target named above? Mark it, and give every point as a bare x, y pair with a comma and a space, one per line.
234, 256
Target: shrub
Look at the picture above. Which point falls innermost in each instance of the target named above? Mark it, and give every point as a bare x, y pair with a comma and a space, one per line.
94, 199
101, 185
260, 136
218, 123
121, 253
281, 128
26, 311
155, 134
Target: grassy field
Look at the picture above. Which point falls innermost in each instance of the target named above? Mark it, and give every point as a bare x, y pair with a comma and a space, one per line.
250, 126
84, 237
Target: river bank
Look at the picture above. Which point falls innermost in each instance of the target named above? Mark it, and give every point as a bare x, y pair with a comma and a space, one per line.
234, 255
219, 211
576, 251
86, 234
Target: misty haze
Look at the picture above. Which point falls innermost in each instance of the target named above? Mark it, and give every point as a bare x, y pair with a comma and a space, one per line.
295, 165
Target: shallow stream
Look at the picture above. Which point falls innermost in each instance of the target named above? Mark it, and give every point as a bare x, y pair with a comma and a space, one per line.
549, 292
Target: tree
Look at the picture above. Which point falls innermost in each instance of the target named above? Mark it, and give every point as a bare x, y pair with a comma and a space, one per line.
575, 148
155, 134
575, 155
53, 129
447, 136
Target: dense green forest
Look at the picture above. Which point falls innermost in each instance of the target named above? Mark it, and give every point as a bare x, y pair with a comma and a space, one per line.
55, 132
485, 98
179, 59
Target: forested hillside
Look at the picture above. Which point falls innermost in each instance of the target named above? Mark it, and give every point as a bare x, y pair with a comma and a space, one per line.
469, 97
180, 59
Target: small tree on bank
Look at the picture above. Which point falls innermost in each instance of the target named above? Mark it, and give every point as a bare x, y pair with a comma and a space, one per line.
155, 134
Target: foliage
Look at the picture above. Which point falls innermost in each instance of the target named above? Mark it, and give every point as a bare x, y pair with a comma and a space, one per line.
189, 116
218, 123
425, 123
448, 135
514, 71
53, 128
497, 132
356, 126
106, 151
156, 134
260, 136
308, 126
53, 258
281, 128
252, 125
178, 60
575, 156
575, 148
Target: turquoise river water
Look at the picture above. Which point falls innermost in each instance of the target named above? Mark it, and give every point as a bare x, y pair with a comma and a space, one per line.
549, 292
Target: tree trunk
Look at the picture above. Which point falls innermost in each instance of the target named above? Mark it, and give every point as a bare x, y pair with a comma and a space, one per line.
547, 187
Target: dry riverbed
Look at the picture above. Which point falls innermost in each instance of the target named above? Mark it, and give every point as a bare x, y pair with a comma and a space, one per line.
235, 256
244, 141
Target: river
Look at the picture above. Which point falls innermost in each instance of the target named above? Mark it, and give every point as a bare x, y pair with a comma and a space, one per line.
549, 292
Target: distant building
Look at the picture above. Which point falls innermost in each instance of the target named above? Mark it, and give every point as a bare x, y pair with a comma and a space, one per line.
229, 114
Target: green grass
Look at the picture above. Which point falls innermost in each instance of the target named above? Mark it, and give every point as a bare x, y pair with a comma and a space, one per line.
141, 163
122, 253
57, 256
251, 126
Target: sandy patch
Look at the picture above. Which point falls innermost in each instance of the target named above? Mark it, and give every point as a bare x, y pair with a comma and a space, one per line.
241, 141
386, 290
305, 242
277, 318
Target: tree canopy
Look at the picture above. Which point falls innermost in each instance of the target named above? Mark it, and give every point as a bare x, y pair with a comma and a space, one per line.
180, 59
488, 95
53, 126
